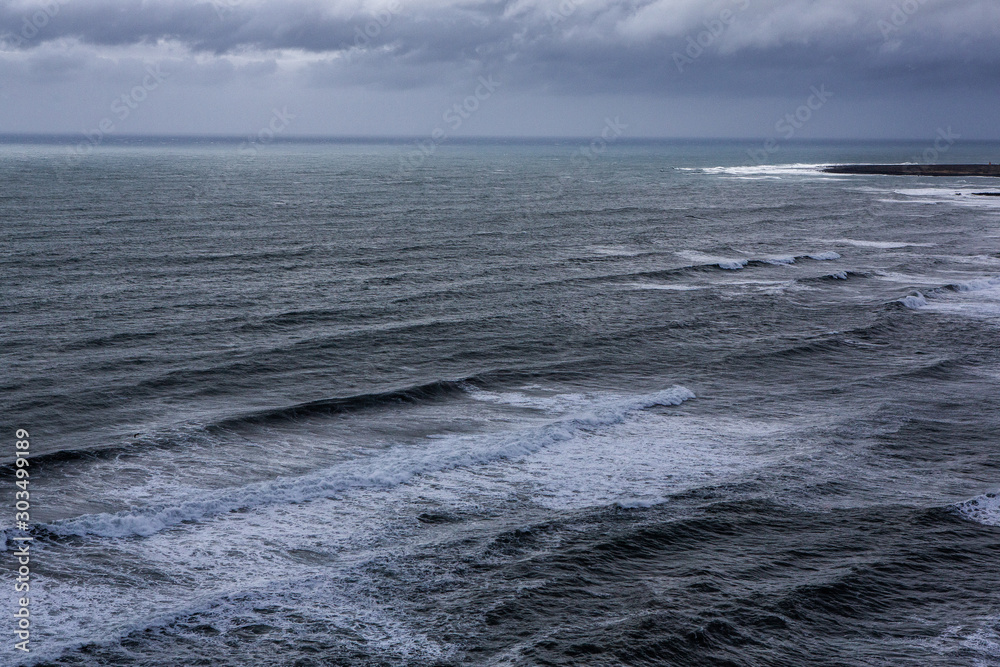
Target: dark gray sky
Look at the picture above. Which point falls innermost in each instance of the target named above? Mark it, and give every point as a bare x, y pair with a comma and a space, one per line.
676, 68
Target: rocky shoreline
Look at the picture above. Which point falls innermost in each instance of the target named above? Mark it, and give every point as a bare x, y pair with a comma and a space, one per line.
916, 169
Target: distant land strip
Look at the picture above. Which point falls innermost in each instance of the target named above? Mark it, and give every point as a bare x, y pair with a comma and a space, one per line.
917, 169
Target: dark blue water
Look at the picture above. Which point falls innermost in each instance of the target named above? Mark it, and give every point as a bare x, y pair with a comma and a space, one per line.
305, 407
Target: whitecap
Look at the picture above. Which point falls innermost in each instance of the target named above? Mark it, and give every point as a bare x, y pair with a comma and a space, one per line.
984, 509
796, 169
728, 263
885, 245
398, 466
914, 301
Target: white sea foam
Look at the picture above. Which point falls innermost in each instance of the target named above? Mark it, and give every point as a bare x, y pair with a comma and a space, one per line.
984, 642
797, 169
976, 644
614, 251
914, 301
67, 620
729, 263
979, 284
737, 282
885, 245
556, 404
984, 509
960, 196
643, 461
733, 265
825, 256
397, 466
839, 275
974, 260
907, 278
973, 298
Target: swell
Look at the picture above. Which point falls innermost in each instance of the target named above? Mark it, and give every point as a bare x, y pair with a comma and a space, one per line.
436, 390
723, 264
395, 467
293, 318
839, 275
976, 285
284, 356
875, 333
419, 393
876, 346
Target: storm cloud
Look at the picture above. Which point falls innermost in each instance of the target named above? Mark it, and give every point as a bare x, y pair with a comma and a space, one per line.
657, 54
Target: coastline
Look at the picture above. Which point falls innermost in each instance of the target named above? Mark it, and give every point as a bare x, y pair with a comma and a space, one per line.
916, 169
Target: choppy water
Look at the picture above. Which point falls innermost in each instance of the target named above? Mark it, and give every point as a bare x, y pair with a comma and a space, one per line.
304, 408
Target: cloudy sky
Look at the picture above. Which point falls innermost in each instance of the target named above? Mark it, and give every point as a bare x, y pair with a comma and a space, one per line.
675, 68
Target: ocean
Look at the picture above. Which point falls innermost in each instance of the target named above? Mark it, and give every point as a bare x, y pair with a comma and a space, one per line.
513, 403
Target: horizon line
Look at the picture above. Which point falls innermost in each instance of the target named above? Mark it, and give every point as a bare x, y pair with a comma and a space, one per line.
76, 137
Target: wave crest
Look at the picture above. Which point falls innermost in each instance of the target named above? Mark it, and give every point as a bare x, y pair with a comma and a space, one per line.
984, 509
397, 467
